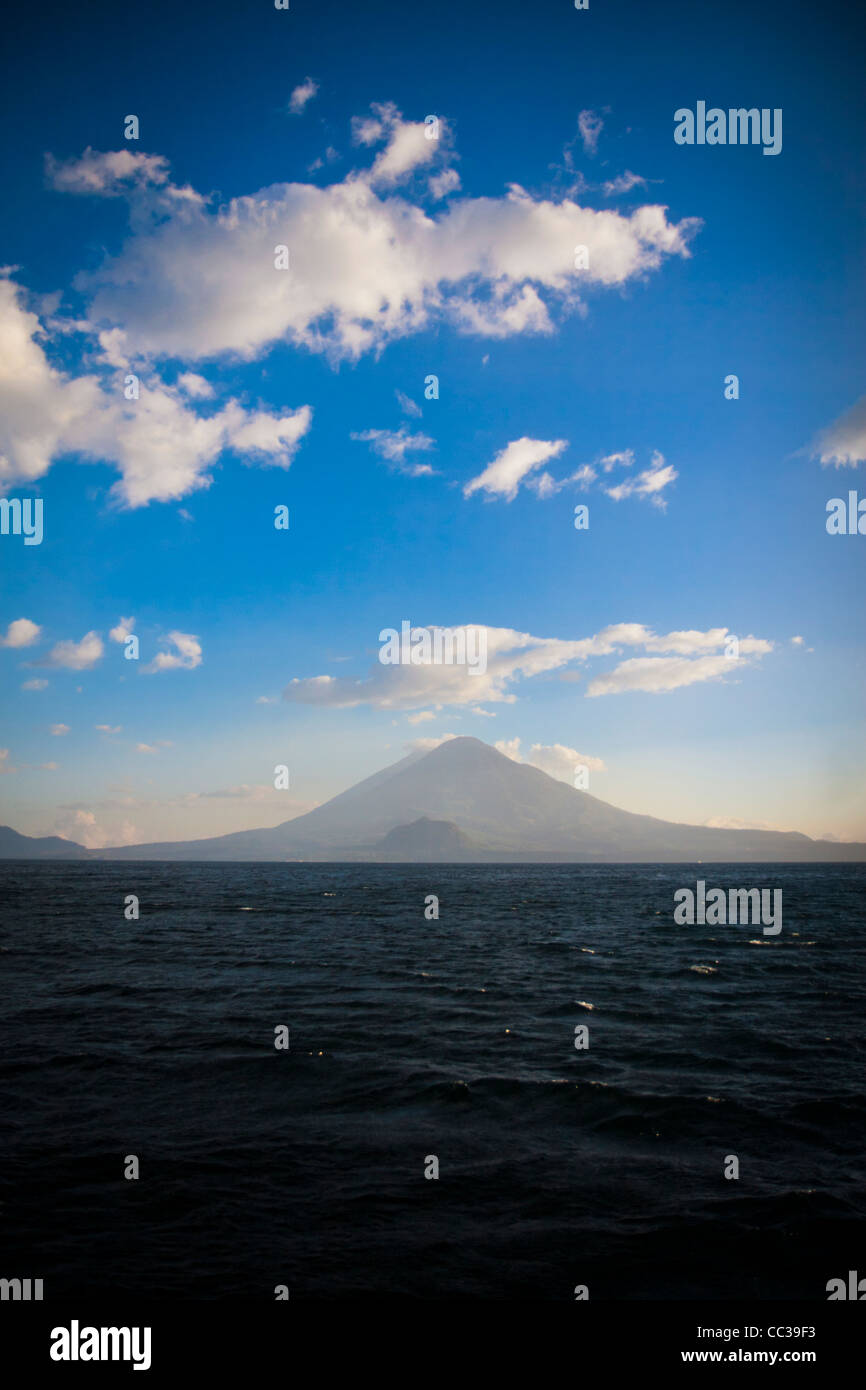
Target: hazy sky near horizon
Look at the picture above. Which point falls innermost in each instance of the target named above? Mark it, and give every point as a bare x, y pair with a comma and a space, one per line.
559, 384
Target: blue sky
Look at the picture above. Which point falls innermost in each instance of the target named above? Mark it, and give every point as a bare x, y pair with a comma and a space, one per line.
411, 257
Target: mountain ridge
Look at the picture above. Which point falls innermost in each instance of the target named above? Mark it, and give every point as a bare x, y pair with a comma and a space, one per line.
37, 847
505, 812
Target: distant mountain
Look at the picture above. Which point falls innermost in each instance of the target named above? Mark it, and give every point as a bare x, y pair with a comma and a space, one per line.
506, 811
427, 840
15, 846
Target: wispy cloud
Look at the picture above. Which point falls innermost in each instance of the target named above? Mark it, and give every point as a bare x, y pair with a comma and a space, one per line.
408, 406
109, 173
513, 465
394, 445
624, 459
678, 658
843, 444
186, 656
517, 464
623, 183
590, 126
660, 675
302, 95
649, 484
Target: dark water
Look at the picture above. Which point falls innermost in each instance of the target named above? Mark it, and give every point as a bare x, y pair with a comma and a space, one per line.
410, 1038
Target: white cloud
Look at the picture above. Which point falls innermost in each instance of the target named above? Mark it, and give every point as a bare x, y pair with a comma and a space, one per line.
367, 265
507, 312
40, 408
623, 183
58, 730
624, 459
556, 759
560, 761
124, 627
843, 444
146, 748
661, 674
4, 764
516, 656
108, 173
82, 827
517, 463
502, 477
585, 476
34, 685
196, 386
693, 642
328, 157
590, 125
408, 143
510, 747
408, 406
651, 483
108, 728
422, 717
160, 446
112, 344
426, 745
301, 95
394, 445
544, 484
271, 439
76, 656
407, 147
21, 633
798, 641
442, 184
185, 657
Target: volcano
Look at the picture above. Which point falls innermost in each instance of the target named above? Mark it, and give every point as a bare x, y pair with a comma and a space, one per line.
488, 808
